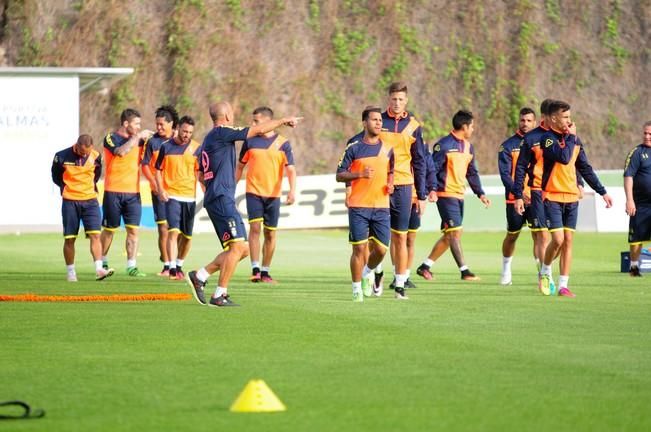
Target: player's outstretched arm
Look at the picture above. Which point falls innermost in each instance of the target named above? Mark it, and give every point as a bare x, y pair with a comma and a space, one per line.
265, 127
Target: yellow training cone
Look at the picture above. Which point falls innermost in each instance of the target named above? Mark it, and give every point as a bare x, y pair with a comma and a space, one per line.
257, 397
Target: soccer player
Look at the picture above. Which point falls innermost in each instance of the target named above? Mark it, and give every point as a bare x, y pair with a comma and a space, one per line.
414, 224
507, 158
76, 170
367, 165
529, 167
177, 167
637, 186
454, 162
266, 157
563, 156
404, 133
122, 152
166, 122
218, 165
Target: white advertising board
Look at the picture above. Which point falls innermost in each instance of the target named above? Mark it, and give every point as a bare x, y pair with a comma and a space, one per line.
319, 204
38, 117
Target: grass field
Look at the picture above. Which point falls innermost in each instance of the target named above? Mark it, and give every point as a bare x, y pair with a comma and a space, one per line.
456, 356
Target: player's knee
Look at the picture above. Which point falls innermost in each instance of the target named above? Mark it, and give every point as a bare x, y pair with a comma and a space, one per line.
255, 228
241, 249
269, 235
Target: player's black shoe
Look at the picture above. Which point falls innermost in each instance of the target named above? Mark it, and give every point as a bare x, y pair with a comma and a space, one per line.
223, 300
467, 275
409, 284
423, 271
255, 275
635, 272
400, 294
197, 287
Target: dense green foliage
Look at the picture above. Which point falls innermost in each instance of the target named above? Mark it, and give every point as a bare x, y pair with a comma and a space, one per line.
327, 59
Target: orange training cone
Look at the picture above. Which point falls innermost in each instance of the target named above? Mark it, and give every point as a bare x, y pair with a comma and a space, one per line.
257, 397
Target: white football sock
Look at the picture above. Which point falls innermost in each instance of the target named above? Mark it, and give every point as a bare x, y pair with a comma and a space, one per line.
563, 281
202, 274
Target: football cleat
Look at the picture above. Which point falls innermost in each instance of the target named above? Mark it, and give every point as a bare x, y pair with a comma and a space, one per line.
367, 284
255, 275
544, 284
378, 285
134, 272
400, 294
467, 275
506, 279
197, 287
358, 297
223, 300
424, 271
102, 274
565, 292
409, 284
164, 273
72, 277
266, 278
635, 272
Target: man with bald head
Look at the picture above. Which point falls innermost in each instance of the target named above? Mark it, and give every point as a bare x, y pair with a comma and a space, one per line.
218, 170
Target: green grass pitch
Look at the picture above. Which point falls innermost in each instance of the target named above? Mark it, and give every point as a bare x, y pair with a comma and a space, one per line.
456, 356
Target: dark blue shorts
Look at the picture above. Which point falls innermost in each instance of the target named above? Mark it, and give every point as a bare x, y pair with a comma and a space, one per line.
400, 201
561, 215
180, 216
639, 226
226, 220
369, 224
536, 217
160, 215
451, 212
261, 209
87, 211
125, 205
514, 221
414, 218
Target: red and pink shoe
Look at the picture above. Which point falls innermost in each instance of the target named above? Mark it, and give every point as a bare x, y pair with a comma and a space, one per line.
565, 292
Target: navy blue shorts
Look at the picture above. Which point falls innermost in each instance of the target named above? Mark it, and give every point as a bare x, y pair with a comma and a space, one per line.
369, 224
451, 212
226, 220
261, 209
180, 216
561, 215
87, 211
537, 217
125, 205
514, 221
160, 215
400, 201
639, 226
414, 218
